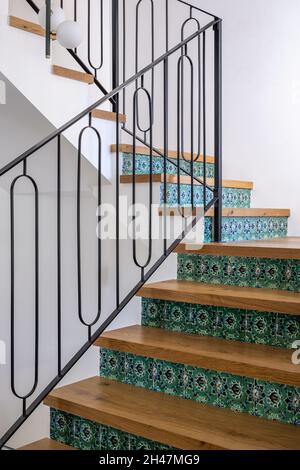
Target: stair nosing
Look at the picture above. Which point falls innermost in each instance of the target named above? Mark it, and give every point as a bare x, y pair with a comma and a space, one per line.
152, 415
245, 249
233, 357
172, 154
226, 212
173, 179
247, 298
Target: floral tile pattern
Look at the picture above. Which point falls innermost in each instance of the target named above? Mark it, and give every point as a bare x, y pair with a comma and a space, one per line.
232, 197
240, 271
142, 166
247, 228
242, 394
83, 434
249, 326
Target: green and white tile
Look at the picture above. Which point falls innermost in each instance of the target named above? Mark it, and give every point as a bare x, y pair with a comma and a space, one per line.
84, 434
247, 228
249, 326
142, 166
231, 197
240, 394
240, 271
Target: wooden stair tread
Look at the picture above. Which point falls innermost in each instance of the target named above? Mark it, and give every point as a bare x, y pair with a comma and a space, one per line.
248, 298
46, 444
172, 179
108, 115
73, 74
126, 148
246, 360
227, 212
28, 26
171, 420
277, 248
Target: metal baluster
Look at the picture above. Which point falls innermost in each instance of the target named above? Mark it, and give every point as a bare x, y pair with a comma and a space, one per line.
149, 129
93, 65
59, 297
152, 51
79, 286
218, 131
117, 203
204, 120
36, 287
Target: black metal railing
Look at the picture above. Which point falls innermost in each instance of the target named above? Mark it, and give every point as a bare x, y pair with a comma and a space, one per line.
154, 125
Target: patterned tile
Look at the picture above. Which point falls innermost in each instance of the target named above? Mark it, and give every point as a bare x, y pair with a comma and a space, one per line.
241, 394
272, 329
247, 228
168, 378
240, 271
139, 371
280, 402
83, 434
112, 365
142, 166
232, 197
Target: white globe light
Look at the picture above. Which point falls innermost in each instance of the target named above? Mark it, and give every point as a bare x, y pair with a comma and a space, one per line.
57, 17
69, 34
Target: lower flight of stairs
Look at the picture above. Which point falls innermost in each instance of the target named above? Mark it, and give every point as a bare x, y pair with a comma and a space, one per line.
210, 367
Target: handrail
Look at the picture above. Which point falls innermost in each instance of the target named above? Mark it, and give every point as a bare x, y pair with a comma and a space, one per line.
102, 100
200, 9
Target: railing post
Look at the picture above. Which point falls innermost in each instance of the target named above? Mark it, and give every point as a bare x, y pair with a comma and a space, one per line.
115, 47
218, 132
48, 29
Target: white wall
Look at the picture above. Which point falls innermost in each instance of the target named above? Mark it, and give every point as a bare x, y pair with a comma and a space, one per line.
262, 99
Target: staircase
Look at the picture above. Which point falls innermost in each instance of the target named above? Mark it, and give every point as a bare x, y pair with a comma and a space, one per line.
210, 367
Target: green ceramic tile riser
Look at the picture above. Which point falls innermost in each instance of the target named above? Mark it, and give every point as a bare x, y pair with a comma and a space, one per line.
240, 271
247, 326
247, 228
142, 166
241, 394
232, 197
83, 434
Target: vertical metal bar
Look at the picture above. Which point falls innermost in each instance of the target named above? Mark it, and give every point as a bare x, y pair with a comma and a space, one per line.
204, 120
218, 132
59, 331
166, 144
117, 202
48, 29
115, 48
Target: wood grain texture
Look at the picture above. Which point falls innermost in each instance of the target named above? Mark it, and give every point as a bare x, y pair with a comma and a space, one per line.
108, 115
246, 360
173, 179
229, 212
46, 444
174, 421
126, 148
276, 248
73, 74
263, 300
28, 26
